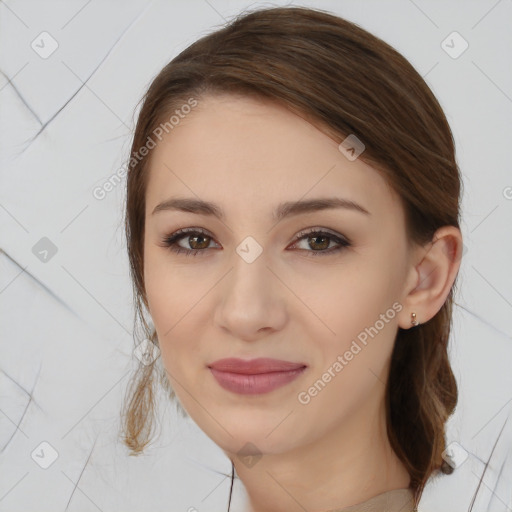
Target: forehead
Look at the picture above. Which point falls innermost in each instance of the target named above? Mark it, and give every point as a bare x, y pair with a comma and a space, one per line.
240, 151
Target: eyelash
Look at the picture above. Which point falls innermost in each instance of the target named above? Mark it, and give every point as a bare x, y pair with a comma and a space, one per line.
171, 241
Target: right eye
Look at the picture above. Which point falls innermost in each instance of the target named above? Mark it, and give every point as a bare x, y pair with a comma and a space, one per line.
171, 241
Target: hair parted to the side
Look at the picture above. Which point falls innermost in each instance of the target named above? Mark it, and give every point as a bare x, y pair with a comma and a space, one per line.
345, 81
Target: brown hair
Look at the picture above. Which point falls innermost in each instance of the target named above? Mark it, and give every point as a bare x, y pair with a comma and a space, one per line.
345, 81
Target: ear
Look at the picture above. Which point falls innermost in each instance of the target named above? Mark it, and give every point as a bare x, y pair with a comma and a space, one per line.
433, 272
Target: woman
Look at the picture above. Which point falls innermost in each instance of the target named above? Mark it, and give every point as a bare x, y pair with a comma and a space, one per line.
292, 221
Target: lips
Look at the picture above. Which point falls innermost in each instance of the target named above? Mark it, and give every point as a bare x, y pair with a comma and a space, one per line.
255, 376
254, 366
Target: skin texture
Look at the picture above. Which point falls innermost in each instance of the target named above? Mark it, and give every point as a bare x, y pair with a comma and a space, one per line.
248, 156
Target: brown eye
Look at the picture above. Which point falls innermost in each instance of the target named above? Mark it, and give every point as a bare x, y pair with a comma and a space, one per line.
198, 241
202, 244
324, 244
319, 241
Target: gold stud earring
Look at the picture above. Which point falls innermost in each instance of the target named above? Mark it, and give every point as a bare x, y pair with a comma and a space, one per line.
414, 322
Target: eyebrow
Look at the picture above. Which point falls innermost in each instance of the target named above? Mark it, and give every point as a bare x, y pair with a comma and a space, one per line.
286, 209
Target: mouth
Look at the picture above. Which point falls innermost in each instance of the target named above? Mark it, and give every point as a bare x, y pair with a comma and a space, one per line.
256, 376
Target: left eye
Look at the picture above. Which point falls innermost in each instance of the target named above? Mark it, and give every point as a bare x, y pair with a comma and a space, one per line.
321, 241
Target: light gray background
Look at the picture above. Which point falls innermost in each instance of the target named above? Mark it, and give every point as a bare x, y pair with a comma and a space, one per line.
66, 323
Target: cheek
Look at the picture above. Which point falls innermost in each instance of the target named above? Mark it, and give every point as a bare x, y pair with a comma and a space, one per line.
360, 307
169, 293
167, 300
177, 307
350, 298
353, 368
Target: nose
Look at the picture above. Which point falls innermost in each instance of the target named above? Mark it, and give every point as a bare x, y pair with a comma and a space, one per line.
251, 300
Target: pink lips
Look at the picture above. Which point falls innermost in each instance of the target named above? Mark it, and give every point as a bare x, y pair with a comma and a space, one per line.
255, 376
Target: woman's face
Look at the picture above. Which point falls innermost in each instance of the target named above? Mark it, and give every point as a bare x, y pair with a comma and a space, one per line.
258, 288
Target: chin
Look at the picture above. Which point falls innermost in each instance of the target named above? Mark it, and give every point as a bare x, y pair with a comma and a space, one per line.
255, 438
